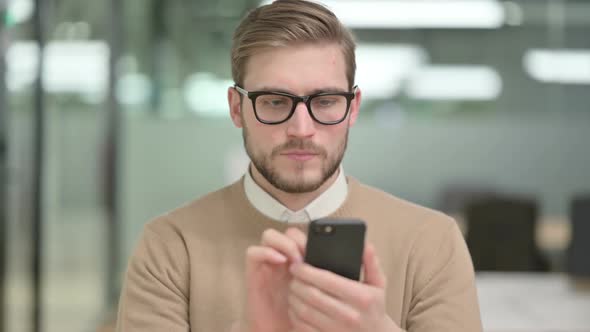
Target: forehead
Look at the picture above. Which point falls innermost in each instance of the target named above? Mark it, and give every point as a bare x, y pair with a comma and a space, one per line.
298, 68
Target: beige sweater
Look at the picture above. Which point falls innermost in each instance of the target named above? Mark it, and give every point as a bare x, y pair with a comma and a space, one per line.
187, 272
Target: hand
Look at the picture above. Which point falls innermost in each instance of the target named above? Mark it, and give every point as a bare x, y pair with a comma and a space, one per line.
267, 282
321, 301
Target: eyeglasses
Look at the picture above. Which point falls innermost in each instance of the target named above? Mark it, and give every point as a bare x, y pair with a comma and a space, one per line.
327, 108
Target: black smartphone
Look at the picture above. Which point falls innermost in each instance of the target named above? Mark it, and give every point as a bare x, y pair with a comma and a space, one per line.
336, 245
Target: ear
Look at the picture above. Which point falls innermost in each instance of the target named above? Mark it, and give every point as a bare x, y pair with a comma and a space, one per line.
235, 109
355, 107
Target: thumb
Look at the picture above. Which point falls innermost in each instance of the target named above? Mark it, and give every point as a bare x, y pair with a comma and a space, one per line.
374, 275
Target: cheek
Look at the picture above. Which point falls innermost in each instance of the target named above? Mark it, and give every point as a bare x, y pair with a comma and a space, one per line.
264, 137
334, 135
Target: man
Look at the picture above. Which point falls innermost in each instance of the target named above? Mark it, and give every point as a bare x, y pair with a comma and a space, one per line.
232, 260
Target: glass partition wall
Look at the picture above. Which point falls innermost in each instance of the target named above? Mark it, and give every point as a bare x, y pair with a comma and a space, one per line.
60, 128
492, 96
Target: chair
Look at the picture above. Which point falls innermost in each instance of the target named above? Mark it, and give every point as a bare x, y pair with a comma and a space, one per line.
453, 198
501, 234
578, 253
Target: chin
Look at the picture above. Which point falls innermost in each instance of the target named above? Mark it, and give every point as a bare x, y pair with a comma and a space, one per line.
303, 182
304, 170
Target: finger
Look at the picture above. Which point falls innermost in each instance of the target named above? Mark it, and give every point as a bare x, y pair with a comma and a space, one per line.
335, 285
309, 314
299, 237
259, 254
374, 275
329, 306
281, 243
299, 324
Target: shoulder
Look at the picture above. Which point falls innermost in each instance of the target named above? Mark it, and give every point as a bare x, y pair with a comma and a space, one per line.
398, 213
196, 214
431, 240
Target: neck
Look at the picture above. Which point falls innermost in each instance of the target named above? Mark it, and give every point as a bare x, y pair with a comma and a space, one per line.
293, 202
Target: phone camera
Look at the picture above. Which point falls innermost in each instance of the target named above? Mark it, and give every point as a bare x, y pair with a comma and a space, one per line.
324, 229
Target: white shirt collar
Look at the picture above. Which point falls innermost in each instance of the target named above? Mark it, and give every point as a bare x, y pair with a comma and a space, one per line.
325, 204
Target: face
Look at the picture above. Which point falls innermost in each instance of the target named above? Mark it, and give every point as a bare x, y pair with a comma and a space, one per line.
299, 155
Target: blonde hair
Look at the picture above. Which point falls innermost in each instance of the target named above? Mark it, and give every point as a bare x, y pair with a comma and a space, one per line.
288, 22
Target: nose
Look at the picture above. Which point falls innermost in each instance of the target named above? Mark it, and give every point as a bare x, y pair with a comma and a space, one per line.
301, 124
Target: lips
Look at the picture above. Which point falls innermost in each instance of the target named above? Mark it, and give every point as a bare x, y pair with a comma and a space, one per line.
300, 152
300, 155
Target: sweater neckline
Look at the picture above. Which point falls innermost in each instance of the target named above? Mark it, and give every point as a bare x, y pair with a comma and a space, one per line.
262, 221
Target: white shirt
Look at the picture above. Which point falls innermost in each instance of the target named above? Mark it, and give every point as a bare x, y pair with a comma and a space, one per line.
325, 204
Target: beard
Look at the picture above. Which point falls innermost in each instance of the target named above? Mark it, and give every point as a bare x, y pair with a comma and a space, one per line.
297, 183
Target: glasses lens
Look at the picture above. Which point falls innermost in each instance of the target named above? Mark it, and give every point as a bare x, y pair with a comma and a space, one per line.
329, 108
273, 108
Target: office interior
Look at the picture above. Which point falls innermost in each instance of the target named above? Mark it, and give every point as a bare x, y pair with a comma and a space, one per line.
113, 112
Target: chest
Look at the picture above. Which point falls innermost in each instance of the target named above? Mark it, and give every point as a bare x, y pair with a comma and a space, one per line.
217, 282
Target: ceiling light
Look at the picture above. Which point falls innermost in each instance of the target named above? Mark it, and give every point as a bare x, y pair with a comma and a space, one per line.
78, 67
414, 14
466, 82
206, 94
19, 11
566, 66
382, 68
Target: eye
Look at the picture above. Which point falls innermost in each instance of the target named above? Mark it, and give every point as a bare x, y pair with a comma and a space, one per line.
274, 101
277, 102
326, 101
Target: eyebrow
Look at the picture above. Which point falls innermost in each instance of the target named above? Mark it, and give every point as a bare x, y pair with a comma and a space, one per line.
313, 92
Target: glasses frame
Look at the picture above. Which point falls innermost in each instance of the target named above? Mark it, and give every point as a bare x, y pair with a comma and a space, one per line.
252, 95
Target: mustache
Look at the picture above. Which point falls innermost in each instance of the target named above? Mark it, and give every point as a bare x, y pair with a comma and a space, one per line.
299, 144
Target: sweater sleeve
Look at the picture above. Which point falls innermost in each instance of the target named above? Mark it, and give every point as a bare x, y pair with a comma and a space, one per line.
444, 297
155, 291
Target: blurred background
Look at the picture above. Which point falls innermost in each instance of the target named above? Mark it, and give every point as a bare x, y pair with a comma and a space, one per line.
112, 112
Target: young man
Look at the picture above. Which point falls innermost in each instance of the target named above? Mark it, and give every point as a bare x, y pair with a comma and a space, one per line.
232, 260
